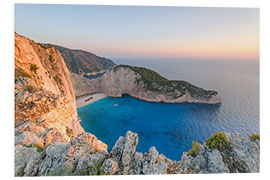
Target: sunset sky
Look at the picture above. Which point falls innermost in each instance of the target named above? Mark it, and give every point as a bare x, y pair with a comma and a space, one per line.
141, 31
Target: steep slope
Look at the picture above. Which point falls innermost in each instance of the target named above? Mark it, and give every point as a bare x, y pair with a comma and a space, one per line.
79, 61
43, 64
41, 78
145, 84
84, 86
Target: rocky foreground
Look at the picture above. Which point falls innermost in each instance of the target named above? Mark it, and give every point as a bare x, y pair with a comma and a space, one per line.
143, 84
83, 156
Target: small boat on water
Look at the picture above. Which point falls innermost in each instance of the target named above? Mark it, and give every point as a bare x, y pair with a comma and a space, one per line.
115, 104
88, 99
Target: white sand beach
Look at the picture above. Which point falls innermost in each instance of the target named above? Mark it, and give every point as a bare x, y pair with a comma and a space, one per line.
88, 99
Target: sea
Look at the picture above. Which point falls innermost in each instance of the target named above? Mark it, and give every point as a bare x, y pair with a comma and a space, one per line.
172, 128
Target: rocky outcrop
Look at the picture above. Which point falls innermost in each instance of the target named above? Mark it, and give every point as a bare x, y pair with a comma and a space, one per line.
126, 80
74, 157
241, 157
124, 159
85, 155
47, 141
41, 77
41, 117
43, 64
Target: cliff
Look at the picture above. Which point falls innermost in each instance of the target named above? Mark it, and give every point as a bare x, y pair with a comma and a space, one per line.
43, 93
79, 61
81, 156
43, 64
143, 84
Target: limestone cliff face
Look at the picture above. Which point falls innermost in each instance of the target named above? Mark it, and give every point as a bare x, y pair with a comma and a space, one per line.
46, 76
83, 86
124, 80
43, 64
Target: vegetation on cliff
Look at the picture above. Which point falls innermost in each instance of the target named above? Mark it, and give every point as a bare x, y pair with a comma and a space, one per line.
79, 61
157, 83
254, 137
194, 151
218, 141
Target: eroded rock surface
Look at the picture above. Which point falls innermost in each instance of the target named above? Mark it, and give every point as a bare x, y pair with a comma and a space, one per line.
124, 80
85, 153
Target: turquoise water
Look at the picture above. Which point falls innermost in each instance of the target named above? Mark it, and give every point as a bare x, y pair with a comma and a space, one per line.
171, 128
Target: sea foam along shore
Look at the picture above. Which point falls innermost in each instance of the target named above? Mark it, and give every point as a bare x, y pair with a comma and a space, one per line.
88, 99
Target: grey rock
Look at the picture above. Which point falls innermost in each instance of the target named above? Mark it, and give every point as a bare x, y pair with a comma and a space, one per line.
80, 157
215, 162
109, 167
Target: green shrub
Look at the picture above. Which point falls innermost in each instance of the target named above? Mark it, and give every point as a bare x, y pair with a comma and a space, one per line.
194, 151
34, 67
254, 136
157, 83
147, 74
218, 141
96, 169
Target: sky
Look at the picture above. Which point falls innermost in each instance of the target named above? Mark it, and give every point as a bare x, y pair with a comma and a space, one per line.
144, 31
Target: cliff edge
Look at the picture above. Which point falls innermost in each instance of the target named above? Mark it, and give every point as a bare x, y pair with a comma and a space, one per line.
43, 93
144, 84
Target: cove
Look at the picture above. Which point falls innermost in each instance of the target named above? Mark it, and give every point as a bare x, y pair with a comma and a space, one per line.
171, 128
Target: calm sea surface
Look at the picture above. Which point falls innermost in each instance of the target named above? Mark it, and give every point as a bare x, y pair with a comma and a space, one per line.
171, 128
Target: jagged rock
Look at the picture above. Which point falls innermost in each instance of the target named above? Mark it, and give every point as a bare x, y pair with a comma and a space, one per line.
80, 155
87, 161
109, 167
124, 159
242, 156
55, 158
215, 162
154, 163
92, 139
124, 149
22, 156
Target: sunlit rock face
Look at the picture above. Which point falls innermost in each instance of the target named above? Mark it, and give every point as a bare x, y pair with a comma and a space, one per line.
125, 80
41, 76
